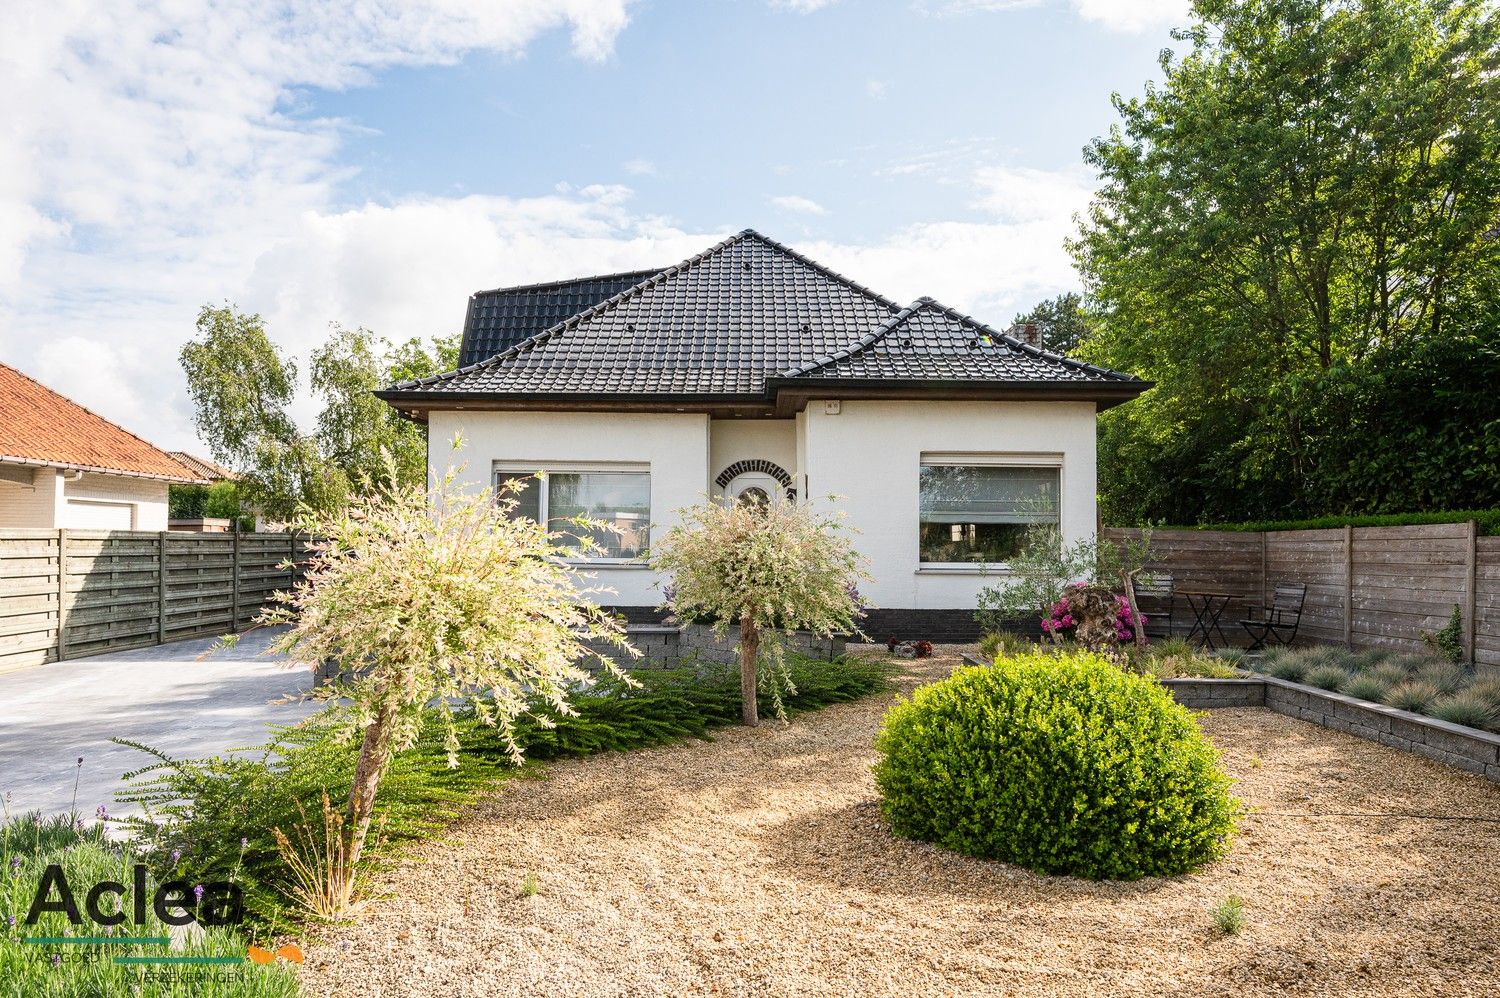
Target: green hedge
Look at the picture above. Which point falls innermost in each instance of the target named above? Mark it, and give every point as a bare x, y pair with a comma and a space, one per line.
1061, 763
1487, 519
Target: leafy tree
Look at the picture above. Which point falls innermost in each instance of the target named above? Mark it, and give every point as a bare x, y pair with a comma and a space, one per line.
773, 567
1062, 320
1309, 196
242, 387
433, 599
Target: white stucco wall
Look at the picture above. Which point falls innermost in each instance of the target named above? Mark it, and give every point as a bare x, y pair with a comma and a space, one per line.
30, 503
870, 454
732, 440
148, 497
675, 446
46, 502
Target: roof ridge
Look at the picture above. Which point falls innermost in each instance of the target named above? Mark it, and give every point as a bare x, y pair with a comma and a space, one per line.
542, 337
826, 271
645, 271
75, 403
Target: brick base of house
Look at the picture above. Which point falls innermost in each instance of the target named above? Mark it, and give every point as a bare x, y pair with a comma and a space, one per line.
955, 626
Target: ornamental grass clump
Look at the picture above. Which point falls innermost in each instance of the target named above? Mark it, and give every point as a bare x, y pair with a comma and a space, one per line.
1061, 763
1413, 695
772, 567
438, 597
1366, 686
1326, 677
1464, 707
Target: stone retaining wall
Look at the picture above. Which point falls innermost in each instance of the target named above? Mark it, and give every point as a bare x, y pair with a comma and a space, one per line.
663, 646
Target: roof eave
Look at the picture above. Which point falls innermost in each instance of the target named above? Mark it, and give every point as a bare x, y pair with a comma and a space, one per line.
415, 405
793, 394
33, 462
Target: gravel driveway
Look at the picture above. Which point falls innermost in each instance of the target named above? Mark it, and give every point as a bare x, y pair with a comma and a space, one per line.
184, 698
758, 865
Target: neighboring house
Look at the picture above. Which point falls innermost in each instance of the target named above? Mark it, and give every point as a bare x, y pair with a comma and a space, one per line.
202, 467
751, 370
64, 466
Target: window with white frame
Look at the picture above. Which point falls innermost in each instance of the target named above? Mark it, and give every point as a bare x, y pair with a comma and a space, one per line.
978, 513
620, 498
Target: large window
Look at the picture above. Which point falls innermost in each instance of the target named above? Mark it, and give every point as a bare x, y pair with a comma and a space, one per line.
621, 499
979, 513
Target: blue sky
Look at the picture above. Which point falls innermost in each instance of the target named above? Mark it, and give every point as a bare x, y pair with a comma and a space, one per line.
371, 163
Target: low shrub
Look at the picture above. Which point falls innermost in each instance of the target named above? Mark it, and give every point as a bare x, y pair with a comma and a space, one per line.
1464, 707
219, 813
1326, 677
1414, 695
1366, 686
1063, 764
1488, 690
995, 643
1447, 678
1229, 915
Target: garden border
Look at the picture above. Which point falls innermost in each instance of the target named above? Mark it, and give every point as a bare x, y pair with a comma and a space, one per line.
1464, 748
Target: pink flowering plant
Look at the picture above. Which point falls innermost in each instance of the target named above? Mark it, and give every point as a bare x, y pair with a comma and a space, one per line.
1093, 616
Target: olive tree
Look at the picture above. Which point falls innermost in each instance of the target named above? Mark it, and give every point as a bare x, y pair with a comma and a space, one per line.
436, 598
774, 568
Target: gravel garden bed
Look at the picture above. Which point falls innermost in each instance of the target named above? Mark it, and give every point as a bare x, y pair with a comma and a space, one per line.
758, 865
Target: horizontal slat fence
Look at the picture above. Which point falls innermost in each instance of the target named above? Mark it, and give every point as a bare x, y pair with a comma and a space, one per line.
1367, 587
71, 593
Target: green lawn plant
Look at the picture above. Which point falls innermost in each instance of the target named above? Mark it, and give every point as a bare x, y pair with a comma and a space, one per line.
1065, 764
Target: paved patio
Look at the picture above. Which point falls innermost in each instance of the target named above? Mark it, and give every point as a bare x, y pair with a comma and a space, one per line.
184, 698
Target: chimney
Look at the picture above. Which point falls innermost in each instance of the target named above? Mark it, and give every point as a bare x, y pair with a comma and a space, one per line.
1029, 333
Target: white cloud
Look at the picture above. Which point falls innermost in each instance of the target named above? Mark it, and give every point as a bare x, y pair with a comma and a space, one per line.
876, 89
1117, 15
798, 204
803, 6
639, 167
150, 156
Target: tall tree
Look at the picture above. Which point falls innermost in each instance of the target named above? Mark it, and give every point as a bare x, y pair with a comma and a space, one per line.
242, 386
1062, 321
1309, 188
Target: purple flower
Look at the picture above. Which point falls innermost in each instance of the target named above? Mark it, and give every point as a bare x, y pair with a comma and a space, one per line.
198, 893
10, 920
15, 862
80, 760
176, 855
56, 960
244, 843
102, 813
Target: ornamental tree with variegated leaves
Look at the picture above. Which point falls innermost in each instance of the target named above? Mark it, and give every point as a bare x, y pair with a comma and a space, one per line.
439, 597
773, 569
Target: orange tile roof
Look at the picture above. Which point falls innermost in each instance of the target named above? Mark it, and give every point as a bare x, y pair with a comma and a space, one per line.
203, 467
39, 426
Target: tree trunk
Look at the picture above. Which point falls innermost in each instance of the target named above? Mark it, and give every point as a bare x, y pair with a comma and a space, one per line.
374, 753
1138, 629
749, 651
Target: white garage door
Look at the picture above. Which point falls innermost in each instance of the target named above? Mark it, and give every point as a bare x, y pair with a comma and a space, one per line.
98, 515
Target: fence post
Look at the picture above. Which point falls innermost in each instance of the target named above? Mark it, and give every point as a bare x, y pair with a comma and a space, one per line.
1471, 591
161, 587
62, 593
1348, 586
234, 581
1264, 596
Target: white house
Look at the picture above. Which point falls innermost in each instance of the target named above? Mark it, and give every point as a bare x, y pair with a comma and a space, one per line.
64, 466
751, 369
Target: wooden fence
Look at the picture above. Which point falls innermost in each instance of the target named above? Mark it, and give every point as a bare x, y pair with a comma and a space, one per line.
1366, 586
70, 593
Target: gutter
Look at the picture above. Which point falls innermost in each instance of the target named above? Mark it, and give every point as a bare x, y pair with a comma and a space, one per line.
95, 469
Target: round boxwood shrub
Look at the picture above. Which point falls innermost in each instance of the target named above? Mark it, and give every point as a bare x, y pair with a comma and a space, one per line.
1063, 764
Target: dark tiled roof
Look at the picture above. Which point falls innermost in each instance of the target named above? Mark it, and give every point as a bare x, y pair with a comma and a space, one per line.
927, 341
718, 323
743, 313
501, 318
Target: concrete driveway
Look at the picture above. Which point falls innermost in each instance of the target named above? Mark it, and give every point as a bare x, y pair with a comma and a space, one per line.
184, 698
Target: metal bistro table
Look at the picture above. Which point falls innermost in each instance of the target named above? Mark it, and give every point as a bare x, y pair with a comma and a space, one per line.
1207, 606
